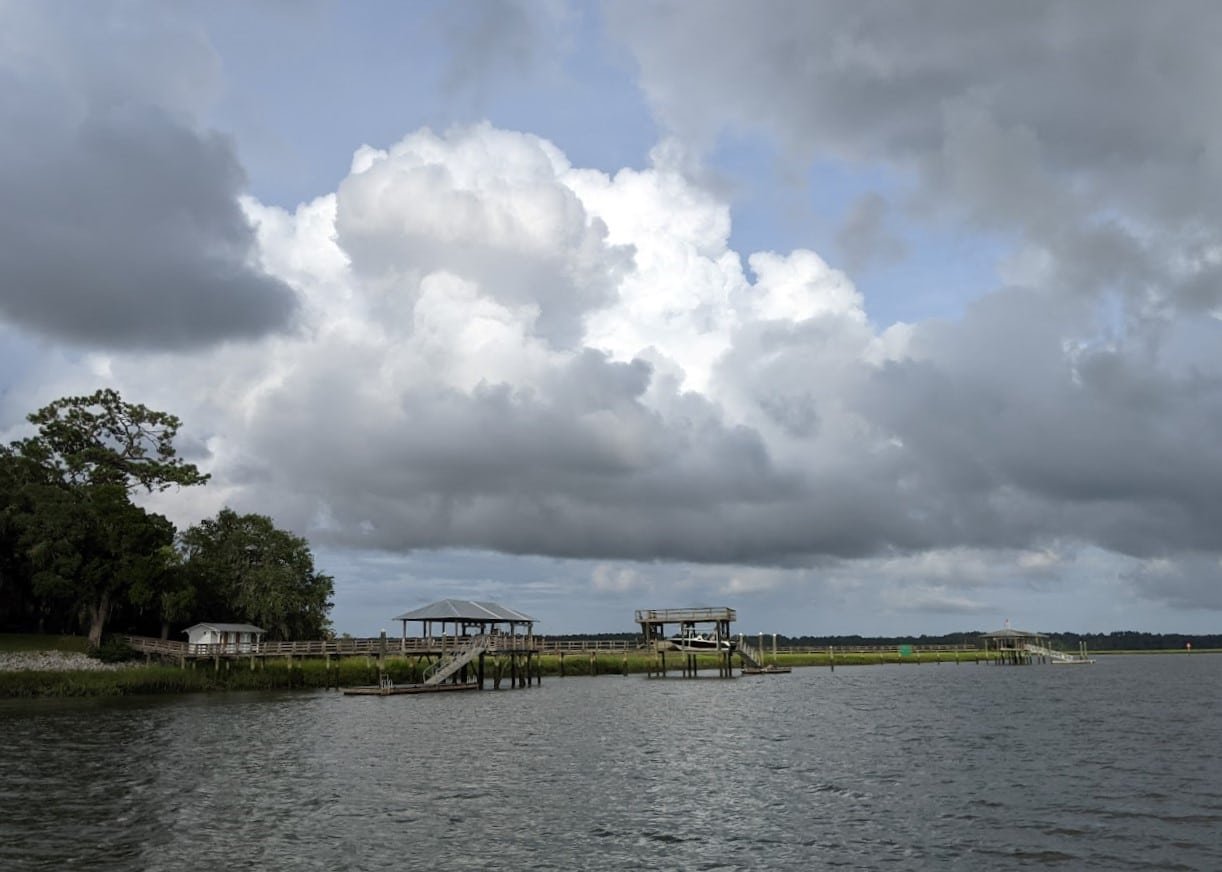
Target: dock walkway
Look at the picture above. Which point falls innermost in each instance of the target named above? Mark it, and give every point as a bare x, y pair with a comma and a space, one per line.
433, 646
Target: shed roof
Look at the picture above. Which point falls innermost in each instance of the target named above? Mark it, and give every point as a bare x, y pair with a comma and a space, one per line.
1011, 633
466, 610
227, 628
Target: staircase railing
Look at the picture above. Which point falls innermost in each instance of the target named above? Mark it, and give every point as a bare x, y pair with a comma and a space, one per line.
749, 655
448, 665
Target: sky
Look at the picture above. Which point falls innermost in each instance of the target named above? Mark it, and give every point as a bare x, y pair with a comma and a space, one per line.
857, 317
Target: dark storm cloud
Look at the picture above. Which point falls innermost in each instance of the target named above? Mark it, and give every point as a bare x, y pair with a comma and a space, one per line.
578, 467
1010, 440
865, 239
495, 39
121, 224
1091, 134
1189, 581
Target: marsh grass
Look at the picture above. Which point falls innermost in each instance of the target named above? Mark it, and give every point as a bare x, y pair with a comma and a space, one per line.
21, 642
275, 674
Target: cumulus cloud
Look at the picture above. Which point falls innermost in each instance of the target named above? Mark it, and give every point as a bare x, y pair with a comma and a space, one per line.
674, 405
121, 223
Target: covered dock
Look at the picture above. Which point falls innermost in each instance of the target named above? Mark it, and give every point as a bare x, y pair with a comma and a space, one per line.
463, 643
1023, 647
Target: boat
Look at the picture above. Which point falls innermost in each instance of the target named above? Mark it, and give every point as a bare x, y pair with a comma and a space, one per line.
691, 641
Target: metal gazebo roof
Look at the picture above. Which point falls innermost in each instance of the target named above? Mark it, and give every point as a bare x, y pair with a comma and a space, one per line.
1011, 633
466, 610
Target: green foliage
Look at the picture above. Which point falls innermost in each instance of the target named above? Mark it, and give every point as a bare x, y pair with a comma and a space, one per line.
77, 554
74, 547
245, 569
99, 439
114, 650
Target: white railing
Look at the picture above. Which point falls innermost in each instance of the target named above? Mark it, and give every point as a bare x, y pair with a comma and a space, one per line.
448, 665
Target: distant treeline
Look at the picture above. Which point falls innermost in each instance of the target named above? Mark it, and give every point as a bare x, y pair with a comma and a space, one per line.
1119, 640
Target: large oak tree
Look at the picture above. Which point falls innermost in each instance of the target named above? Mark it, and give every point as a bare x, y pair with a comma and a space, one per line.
245, 569
68, 506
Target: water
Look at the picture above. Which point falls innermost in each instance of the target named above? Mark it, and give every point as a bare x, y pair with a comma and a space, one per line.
1111, 766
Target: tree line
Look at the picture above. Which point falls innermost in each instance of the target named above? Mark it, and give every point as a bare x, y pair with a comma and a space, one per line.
1119, 640
78, 555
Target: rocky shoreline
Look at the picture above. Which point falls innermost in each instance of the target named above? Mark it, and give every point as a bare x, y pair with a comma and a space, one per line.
53, 661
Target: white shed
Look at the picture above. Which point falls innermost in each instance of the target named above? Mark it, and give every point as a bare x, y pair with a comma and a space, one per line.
233, 638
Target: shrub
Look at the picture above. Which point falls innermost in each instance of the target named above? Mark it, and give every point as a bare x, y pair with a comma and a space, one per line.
114, 650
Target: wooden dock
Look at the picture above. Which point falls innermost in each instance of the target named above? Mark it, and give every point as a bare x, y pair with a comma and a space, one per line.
688, 621
400, 689
376, 647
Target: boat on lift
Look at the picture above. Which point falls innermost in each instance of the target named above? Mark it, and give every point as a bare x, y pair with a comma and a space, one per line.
699, 643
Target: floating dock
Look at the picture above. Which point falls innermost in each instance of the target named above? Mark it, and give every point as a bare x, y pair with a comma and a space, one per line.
770, 669
398, 689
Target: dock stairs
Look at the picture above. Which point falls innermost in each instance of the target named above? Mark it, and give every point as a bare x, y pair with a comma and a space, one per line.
1054, 656
451, 663
749, 655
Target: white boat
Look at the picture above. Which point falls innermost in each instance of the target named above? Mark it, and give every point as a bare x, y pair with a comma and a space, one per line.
689, 640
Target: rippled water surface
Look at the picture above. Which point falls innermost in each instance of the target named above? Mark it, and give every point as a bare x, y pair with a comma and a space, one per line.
1112, 766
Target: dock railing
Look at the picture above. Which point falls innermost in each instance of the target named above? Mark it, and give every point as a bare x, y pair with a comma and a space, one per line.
348, 646
677, 616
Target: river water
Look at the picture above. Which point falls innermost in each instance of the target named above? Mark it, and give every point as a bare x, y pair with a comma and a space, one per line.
1111, 766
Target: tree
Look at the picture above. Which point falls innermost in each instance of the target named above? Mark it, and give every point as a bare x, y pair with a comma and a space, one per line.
245, 569
18, 604
88, 546
99, 439
91, 549
167, 593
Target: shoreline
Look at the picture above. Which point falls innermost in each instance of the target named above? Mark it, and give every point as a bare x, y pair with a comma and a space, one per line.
50, 674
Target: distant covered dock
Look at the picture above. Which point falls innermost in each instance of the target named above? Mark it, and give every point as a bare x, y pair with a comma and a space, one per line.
463, 634
1012, 646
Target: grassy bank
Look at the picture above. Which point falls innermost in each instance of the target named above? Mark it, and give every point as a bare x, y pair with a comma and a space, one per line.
354, 671
232, 675
23, 642
605, 664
